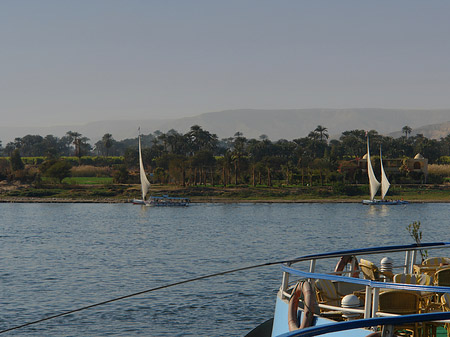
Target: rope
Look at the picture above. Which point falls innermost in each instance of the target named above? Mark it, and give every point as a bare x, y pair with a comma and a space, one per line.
142, 292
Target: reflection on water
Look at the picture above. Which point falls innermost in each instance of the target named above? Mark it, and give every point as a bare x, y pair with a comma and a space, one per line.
380, 210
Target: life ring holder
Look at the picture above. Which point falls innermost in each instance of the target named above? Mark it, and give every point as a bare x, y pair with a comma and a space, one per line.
343, 261
309, 300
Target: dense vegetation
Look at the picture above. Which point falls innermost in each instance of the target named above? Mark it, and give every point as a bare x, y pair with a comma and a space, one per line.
200, 158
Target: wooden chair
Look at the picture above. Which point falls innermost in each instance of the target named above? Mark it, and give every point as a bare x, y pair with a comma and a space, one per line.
401, 303
442, 277
327, 293
424, 280
369, 269
405, 278
445, 301
436, 261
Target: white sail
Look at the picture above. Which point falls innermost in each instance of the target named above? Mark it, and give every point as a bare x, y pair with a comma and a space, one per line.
373, 182
145, 184
384, 180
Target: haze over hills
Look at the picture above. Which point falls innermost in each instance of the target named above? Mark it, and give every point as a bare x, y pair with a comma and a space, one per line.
276, 124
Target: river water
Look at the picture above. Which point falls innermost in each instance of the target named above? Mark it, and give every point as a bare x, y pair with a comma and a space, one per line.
59, 257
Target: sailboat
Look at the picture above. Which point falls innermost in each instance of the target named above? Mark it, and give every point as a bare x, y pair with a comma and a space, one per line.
163, 200
145, 184
374, 184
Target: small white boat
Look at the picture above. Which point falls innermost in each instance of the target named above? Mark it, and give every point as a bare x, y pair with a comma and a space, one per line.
167, 201
374, 184
398, 299
163, 200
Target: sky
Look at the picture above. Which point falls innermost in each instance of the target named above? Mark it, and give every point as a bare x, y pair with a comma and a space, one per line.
73, 62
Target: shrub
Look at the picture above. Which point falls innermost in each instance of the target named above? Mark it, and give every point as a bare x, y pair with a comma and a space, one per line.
90, 171
58, 170
349, 190
16, 161
435, 179
121, 175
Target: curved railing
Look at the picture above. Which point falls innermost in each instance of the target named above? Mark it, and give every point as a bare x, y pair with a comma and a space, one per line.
368, 283
373, 250
366, 323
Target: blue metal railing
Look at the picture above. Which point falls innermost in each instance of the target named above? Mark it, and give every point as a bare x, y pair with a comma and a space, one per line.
373, 250
365, 323
369, 283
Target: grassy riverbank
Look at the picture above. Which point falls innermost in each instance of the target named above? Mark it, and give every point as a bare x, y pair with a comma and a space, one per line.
95, 192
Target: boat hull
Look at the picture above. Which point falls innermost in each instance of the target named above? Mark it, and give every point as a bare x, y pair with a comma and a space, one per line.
166, 201
385, 202
280, 323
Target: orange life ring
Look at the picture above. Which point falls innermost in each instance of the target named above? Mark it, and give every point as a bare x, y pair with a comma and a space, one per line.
309, 301
343, 261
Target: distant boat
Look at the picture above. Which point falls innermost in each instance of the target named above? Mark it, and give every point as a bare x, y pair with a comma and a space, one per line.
145, 184
374, 184
164, 200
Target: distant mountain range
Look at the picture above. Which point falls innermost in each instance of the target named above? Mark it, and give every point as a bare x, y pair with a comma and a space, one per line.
276, 124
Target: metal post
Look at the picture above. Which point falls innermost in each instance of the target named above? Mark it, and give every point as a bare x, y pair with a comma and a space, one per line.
413, 262
368, 302
376, 293
407, 262
285, 281
312, 266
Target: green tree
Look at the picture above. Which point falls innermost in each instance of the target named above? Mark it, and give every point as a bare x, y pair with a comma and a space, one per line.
322, 131
81, 143
121, 175
16, 161
238, 153
58, 170
406, 130
107, 141
201, 139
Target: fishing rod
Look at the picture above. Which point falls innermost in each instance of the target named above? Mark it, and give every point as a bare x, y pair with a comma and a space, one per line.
144, 292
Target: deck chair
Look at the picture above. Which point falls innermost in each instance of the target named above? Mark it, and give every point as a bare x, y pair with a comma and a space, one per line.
436, 261
401, 303
405, 278
445, 301
369, 269
442, 277
424, 280
327, 293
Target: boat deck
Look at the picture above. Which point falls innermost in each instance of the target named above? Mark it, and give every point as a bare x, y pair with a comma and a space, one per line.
333, 318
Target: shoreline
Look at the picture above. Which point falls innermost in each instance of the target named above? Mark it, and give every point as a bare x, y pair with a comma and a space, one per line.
200, 201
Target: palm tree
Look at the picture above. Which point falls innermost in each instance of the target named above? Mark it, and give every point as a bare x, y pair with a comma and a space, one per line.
107, 141
75, 139
406, 130
201, 139
238, 152
322, 131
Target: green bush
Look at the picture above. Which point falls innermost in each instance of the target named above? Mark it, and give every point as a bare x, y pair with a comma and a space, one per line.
56, 169
435, 179
349, 190
121, 175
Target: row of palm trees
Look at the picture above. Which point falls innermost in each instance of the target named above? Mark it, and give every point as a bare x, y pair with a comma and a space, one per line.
72, 144
198, 156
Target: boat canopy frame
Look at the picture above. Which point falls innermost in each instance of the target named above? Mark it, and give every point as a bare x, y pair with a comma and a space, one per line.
372, 288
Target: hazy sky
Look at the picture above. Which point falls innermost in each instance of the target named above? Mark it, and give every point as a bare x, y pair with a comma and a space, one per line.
78, 61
